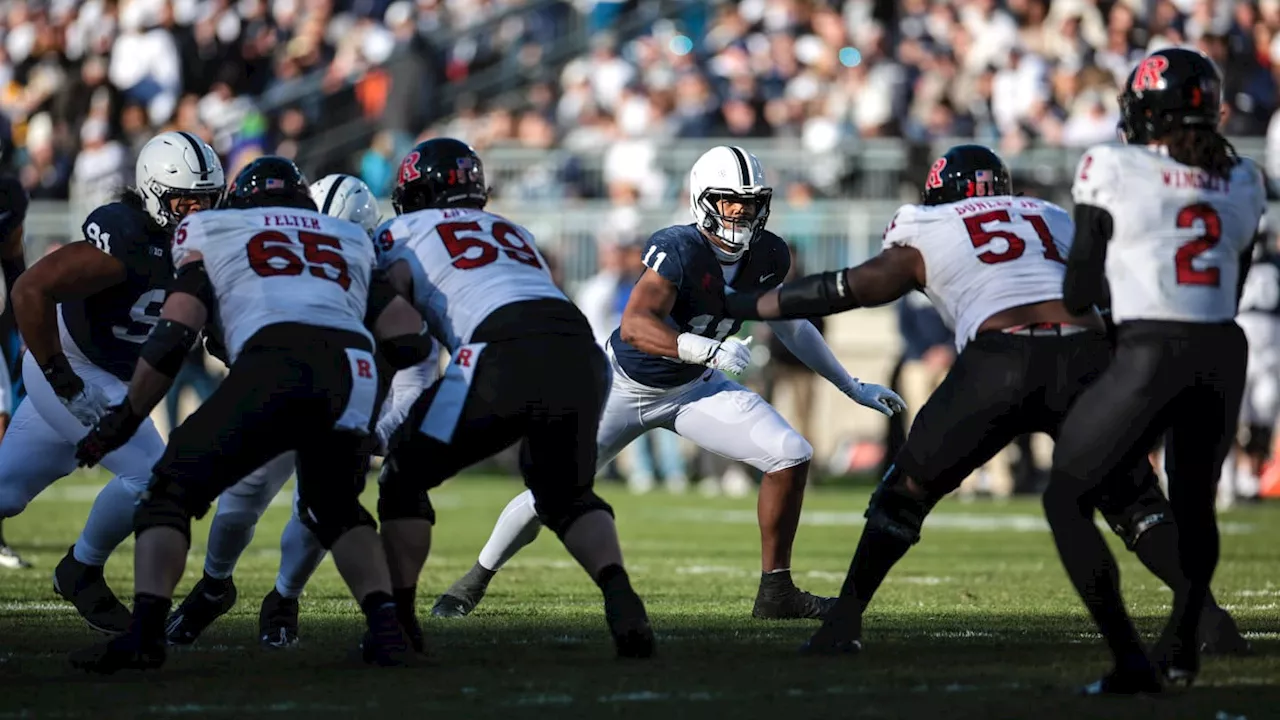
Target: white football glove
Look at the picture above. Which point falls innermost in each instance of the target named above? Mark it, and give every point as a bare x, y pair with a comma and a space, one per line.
730, 355
876, 397
88, 405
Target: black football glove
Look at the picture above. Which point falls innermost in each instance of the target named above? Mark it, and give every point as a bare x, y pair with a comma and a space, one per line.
112, 432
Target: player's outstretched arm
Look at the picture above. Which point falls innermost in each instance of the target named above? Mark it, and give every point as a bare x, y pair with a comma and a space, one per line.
807, 344
882, 279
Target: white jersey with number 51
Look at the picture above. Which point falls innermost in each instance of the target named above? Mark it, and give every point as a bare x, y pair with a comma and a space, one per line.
279, 265
985, 255
1177, 231
466, 263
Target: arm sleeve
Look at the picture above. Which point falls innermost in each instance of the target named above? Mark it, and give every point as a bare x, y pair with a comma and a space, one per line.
806, 343
381, 294
1085, 285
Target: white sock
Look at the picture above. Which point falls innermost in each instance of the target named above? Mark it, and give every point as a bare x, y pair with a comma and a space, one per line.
300, 554
110, 522
517, 526
229, 535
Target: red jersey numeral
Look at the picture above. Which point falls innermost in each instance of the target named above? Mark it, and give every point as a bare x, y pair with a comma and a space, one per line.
506, 237
1188, 274
981, 237
273, 253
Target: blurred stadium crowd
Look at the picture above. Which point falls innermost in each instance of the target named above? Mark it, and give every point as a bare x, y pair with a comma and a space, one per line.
85, 83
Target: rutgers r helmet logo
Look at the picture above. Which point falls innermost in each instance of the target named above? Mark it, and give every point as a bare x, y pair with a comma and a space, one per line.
1150, 73
935, 174
409, 168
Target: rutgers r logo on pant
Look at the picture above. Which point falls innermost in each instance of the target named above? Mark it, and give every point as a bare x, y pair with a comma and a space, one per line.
364, 369
464, 357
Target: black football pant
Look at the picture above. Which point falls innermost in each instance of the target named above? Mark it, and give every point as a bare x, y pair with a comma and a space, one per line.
1183, 379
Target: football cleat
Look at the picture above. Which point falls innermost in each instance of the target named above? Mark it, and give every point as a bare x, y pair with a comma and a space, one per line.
464, 594
841, 631
84, 587
126, 652
629, 625
1219, 635
779, 599
385, 642
278, 621
10, 559
198, 611
1127, 681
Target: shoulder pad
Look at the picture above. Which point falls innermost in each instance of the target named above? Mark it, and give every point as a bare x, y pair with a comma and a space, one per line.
114, 227
1096, 176
664, 253
902, 228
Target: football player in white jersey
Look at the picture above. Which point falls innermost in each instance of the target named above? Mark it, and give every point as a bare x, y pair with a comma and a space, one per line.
292, 291
85, 312
993, 264
1164, 224
242, 505
525, 369
668, 356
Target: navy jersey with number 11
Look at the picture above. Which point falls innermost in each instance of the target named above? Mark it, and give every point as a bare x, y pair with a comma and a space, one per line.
682, 255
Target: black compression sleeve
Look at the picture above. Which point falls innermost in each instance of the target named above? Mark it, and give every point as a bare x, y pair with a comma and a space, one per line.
813, 296
168, 346
194, 280
381, 294
1085, 286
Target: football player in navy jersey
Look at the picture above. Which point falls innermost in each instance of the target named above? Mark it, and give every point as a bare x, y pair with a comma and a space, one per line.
669, 358
13, 215
85, 312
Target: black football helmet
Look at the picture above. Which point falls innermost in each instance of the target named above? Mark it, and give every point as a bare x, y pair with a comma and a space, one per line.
966, 171
269, 181
1170, 89
439, 173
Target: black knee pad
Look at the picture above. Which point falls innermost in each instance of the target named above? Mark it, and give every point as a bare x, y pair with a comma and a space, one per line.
895, 511
559, 510
400, 498
1131, 517
166, 503
333, 520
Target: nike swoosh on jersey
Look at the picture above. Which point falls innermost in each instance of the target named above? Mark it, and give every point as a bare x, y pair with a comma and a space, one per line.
766, 277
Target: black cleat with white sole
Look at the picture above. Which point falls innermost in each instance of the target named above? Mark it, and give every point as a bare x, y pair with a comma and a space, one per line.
209, 600
278, 621
84, 587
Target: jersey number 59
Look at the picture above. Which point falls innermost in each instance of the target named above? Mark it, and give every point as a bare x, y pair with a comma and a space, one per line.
460, 246
273, 253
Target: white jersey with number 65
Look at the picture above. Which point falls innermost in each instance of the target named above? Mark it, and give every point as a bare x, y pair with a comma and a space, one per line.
1177, 231
985, 255
466, 263
280, 265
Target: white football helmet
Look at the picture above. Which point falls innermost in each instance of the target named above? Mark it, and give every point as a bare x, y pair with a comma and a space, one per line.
729, 173
174, 165
347, 197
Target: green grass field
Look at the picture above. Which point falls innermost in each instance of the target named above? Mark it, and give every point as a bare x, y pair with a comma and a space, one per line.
979, 621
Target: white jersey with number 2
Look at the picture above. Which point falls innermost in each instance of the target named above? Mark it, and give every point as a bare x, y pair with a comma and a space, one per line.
466, 263
1177, 231
280, 265
986, 255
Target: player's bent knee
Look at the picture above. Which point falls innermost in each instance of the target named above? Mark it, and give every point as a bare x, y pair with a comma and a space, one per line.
333, 520
795, 451
559, 510
402, 500
896, 510
12, 502
167, 504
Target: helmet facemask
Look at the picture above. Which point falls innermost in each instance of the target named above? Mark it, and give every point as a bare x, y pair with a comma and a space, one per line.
160, 199
736, 232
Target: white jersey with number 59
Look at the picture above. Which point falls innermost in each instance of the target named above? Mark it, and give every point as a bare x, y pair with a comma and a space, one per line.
280, 265
466, 263
985, 255
1177, 231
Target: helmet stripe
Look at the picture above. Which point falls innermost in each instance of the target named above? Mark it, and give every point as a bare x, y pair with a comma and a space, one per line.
744, 168
195, 145
333, 192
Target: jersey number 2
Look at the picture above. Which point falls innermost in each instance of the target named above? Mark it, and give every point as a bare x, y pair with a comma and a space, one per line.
1188, 274
980, 237
459, 246
272, 245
